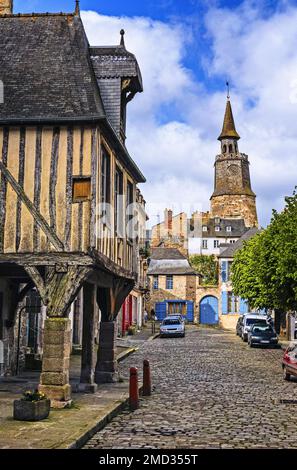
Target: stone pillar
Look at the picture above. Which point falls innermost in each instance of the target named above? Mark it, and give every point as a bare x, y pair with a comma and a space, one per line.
54, 380
88, 360
107, 366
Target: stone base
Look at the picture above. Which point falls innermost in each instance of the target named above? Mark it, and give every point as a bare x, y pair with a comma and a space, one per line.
86, 388
106, 377
59, 405
57, 394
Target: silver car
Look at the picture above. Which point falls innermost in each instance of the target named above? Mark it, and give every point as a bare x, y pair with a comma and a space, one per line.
172, 327
249, 320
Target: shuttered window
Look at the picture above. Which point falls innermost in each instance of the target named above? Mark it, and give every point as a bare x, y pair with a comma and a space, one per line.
81, 189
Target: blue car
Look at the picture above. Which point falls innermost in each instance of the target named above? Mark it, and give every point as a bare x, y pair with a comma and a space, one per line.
172, 326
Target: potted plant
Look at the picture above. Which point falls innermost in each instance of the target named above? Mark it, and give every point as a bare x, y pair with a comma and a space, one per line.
132, 330
34, 406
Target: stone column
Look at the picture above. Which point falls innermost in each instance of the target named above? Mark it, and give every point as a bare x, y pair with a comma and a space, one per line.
88, 360
107, 367
54, 380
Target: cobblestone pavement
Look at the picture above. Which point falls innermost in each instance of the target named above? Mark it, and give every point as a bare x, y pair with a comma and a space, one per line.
211, 391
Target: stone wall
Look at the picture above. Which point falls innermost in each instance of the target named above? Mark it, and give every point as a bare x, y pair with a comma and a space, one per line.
228, 322
184, 288
201, 292
242, 206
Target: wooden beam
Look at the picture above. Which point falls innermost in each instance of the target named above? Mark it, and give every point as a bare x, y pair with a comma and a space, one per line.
39, 282
47, 259
106, 263
51, 235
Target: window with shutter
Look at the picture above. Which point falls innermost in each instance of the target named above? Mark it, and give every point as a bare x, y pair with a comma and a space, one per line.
81, 189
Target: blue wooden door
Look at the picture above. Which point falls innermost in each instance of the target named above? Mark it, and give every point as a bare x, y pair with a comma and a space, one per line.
190, 311
209, 310
160, 310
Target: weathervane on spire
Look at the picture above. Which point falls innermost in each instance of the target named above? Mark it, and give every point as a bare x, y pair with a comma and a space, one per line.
228, 90
122, 33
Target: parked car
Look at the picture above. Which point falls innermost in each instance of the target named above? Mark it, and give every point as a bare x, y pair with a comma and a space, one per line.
262, 335
172, 327
179, 316
290, 361
239, 325
250, 319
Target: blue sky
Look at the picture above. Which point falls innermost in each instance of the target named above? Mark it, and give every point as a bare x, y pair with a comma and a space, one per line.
187, 49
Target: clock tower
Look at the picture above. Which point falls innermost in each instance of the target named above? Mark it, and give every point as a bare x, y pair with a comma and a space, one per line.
233, 196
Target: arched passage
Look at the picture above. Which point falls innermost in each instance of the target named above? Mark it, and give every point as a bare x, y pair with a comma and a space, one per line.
209, 310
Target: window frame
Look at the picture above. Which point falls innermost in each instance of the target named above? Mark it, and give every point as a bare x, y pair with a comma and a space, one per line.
105, 176
118, 191
169, 281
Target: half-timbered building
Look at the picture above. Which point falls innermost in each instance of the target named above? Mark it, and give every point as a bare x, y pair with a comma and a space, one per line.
67, 187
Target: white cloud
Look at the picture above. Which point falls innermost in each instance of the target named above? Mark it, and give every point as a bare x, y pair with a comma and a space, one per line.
260, 59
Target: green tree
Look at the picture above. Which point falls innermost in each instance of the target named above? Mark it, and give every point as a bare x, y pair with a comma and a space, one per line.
207, 266
264, 271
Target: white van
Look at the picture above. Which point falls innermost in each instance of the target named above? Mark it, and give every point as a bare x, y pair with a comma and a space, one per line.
249, 320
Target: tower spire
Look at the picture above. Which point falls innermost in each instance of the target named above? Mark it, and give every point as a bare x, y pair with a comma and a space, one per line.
77, 8
229, 130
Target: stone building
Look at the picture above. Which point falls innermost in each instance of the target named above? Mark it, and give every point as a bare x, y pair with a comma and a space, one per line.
231, 306
173, 284
67, 183
233, 196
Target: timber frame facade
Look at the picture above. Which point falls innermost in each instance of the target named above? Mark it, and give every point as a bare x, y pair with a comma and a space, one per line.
61, 157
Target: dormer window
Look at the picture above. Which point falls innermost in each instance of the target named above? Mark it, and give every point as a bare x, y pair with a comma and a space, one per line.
217, 220
217, 228
229, 228
204, 228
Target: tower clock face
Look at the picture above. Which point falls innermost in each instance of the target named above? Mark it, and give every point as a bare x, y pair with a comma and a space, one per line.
233, 170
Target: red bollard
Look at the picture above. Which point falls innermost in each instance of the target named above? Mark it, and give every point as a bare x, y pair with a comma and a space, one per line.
147, 381
133, 390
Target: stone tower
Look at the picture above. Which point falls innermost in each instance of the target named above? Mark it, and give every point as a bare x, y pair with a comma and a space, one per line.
6, 7
233, 196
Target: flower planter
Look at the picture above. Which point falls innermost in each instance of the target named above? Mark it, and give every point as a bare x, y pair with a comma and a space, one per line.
31, 410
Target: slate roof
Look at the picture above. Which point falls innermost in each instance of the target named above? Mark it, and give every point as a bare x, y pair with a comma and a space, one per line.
46, 69
229, 130
167, 253
114, 62
169, 261
237, 225
233, 247
48, 75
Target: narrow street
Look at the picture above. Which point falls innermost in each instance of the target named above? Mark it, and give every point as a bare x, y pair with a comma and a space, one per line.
211, 391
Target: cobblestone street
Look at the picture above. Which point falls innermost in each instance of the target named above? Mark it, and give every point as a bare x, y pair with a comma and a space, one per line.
211, 391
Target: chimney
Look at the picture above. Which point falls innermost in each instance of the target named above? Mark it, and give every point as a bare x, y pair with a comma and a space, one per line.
168, 221
6, 7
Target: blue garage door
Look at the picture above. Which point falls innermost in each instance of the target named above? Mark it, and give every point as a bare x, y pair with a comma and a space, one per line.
160, 310
209, 310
